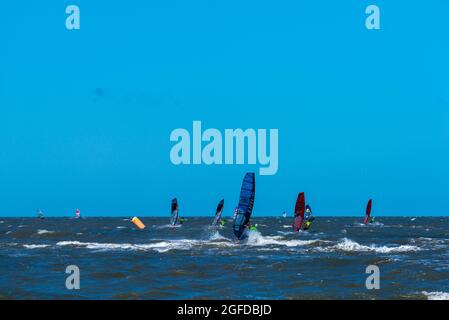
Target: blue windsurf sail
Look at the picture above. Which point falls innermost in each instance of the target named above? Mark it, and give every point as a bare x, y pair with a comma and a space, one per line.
217, 219
174, 212
245, 207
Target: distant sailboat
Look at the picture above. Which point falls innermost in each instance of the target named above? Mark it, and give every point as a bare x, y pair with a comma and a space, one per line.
218, 221
174, 220
77, 214
368, 218
300, 209
40, 214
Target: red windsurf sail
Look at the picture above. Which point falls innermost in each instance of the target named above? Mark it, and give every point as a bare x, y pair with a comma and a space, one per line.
368, 211
299, 211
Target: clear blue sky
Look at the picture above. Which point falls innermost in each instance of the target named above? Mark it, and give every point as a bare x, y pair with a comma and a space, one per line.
85, 116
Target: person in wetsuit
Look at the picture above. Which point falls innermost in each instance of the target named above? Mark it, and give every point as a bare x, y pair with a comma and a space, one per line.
308, 218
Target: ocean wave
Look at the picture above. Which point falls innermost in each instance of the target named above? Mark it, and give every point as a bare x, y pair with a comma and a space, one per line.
375, 224
165, 226
217, 236
255, 238
36, 246
285, 233
351, 246
43, 231
436, 295
161, 246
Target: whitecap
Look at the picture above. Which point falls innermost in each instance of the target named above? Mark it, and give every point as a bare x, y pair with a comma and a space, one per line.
352, 246
285, 232
217, 236
169, 226
43, 231
255, 238
36, 246
436, 295
161, 246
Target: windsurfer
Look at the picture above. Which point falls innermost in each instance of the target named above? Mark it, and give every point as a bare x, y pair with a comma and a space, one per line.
308, 217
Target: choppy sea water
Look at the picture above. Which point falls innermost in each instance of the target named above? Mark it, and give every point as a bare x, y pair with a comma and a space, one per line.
117, 261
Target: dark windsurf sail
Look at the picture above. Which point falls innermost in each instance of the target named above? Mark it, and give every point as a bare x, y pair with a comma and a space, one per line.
300, 208
217, 219
174, 212
368, 212
245, 207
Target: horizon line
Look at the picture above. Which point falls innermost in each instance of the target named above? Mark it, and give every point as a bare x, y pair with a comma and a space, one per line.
211, 216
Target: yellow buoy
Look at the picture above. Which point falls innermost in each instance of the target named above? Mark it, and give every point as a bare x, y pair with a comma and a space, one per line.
139, 224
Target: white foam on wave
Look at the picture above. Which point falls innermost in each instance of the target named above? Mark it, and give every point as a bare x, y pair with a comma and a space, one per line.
169, 226
159, 246
217, 236
375, 224
285, 233
162, 246
352, 246
120, 227
436, 295
36, 246
43, 231
285, 226
434, 241
255, 238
